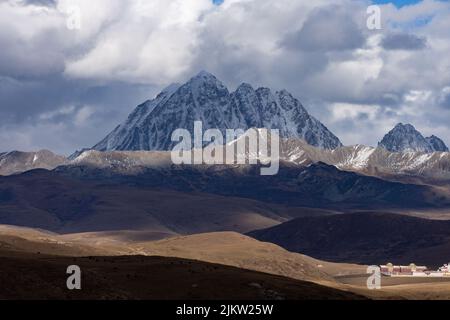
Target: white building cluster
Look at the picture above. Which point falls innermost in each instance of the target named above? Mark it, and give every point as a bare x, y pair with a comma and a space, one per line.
414, 271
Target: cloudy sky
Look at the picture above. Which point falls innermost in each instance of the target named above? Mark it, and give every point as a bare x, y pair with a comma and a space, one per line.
71, 70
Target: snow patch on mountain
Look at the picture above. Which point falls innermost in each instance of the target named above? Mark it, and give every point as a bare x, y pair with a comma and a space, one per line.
358, 157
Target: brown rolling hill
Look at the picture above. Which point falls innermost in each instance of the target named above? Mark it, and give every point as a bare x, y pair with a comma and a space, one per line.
226, 248
230, 248
22, 240
114, 266
115, 260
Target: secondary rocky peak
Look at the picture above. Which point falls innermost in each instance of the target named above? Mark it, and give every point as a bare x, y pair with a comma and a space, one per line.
406, 138
437, 143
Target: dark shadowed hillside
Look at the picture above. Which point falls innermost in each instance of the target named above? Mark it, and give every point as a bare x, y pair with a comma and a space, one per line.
50, 201
157, 278
367, 238
317, 185
191, 199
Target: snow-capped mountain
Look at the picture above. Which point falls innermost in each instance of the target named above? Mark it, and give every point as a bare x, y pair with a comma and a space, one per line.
204, 98
18, 161
405, 138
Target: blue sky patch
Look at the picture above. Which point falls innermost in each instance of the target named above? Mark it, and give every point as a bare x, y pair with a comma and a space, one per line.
401, 3
397, 3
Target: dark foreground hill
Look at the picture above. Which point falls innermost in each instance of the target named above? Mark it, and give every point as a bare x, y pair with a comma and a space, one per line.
366, 238
154, 278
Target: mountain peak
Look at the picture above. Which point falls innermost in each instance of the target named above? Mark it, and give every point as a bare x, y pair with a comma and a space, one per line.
406, 126
406, 138
245, 87
204, 98
204, 76
205, 82
284, 92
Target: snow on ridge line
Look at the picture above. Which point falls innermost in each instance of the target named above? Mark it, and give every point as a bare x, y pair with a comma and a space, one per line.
353, 158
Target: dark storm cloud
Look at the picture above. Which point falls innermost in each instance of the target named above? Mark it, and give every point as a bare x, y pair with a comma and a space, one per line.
326, 29
26, 100
403, 41
21, 100
35, 53
49, 111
